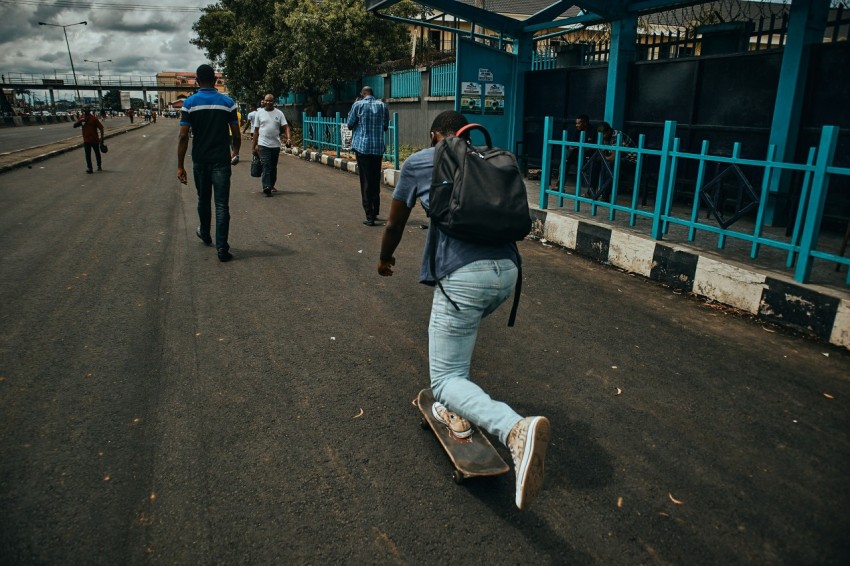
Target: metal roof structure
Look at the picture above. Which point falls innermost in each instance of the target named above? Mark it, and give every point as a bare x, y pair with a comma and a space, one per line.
807, 20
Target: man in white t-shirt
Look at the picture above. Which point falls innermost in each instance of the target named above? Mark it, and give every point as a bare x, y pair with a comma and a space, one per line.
269, 124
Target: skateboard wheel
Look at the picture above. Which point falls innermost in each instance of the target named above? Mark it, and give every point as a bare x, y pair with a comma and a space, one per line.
458, 477
423, 424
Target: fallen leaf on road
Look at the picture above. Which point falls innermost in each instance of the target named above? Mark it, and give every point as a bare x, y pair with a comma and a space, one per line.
766, 329
826, 354
619, 391
358, 415
828, 396
674, 500
619, 503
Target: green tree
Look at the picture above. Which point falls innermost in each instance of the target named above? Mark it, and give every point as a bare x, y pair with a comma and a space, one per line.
112, 100
278, 46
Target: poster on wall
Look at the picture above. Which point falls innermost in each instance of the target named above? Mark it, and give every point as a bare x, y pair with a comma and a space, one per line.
470, 98
494, 98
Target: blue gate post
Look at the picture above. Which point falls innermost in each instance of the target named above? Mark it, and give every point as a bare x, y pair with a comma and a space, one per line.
663, 178
395, 141
304, 131
816, 201
338, 135
546, 165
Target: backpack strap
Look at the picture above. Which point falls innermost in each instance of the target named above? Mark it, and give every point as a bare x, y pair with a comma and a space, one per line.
432, 259
517, 291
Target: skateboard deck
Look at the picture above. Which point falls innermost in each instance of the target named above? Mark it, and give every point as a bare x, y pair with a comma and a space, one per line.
472, 457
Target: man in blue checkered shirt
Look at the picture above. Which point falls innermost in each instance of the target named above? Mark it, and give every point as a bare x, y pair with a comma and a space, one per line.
369, 119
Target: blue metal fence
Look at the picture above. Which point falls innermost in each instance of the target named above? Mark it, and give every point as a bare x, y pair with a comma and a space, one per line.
328, 133
598, 179
443, 79
543, 58
406, 84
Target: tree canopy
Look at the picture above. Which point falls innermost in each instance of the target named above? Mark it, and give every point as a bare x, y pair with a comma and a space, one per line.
302, 45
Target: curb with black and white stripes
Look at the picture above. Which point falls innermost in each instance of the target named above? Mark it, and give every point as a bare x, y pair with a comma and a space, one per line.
783, 302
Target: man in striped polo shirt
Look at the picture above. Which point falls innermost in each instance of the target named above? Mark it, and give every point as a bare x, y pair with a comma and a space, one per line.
216, 141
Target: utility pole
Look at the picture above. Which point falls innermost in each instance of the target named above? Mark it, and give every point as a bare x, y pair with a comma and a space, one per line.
73, 71
99, 81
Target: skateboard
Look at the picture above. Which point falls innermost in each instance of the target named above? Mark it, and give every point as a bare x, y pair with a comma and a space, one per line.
473, 456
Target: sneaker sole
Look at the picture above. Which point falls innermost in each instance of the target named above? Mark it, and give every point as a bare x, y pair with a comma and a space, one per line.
530, 473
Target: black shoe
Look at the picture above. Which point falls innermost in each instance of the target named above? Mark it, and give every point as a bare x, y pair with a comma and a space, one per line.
267, 191
88, 171
98, 168
369, 222
207, 239
224, 255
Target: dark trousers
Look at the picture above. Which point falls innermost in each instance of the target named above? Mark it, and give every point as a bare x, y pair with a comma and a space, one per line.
269, 156
369, 168
212, 181
88, 147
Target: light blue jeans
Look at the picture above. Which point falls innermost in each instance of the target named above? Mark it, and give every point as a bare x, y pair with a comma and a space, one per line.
478, 289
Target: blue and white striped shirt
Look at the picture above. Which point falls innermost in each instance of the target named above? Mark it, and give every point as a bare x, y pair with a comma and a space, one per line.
209, 113
369, 119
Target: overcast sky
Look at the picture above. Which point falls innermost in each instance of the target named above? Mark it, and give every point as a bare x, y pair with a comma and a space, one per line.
142, 37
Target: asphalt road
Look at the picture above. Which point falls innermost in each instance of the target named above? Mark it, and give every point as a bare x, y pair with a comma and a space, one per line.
158, 406
16, 138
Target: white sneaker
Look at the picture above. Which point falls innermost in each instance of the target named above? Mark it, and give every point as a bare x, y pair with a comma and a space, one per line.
528, 441
458, 425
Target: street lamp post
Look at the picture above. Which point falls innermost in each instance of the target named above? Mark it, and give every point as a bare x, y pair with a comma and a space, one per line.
99, 80
73, 71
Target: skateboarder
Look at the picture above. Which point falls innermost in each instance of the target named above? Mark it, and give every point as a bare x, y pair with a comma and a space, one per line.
479, 279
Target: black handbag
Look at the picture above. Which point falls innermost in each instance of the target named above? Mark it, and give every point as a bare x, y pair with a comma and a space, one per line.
256, 167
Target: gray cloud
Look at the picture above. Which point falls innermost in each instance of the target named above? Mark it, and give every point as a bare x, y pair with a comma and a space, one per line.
137, 42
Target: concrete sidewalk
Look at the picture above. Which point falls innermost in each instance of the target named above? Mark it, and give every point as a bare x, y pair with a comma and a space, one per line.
763, 288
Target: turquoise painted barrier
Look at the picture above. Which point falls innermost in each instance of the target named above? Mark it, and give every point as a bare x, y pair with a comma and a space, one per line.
329, 133
608, 169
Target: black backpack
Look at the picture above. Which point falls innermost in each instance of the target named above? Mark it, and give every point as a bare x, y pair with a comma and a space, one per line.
477, 195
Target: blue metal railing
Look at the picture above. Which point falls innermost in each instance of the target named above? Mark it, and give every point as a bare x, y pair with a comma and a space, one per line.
598, 176
328, 133
543, 58
406, 84
443, 80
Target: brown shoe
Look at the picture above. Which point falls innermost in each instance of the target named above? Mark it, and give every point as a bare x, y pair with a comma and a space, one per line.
528, 441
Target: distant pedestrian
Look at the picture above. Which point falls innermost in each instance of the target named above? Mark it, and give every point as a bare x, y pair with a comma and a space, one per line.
212, 119
91, 139
248, 126
369, 118
269, 124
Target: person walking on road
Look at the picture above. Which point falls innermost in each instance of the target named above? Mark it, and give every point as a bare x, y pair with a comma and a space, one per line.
249, 121
91, 139
479, 278
368, 119
269, 124
215, 126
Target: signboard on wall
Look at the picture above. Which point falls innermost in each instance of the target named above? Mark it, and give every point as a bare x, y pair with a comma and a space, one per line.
485, 89
470, 98
125, 100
